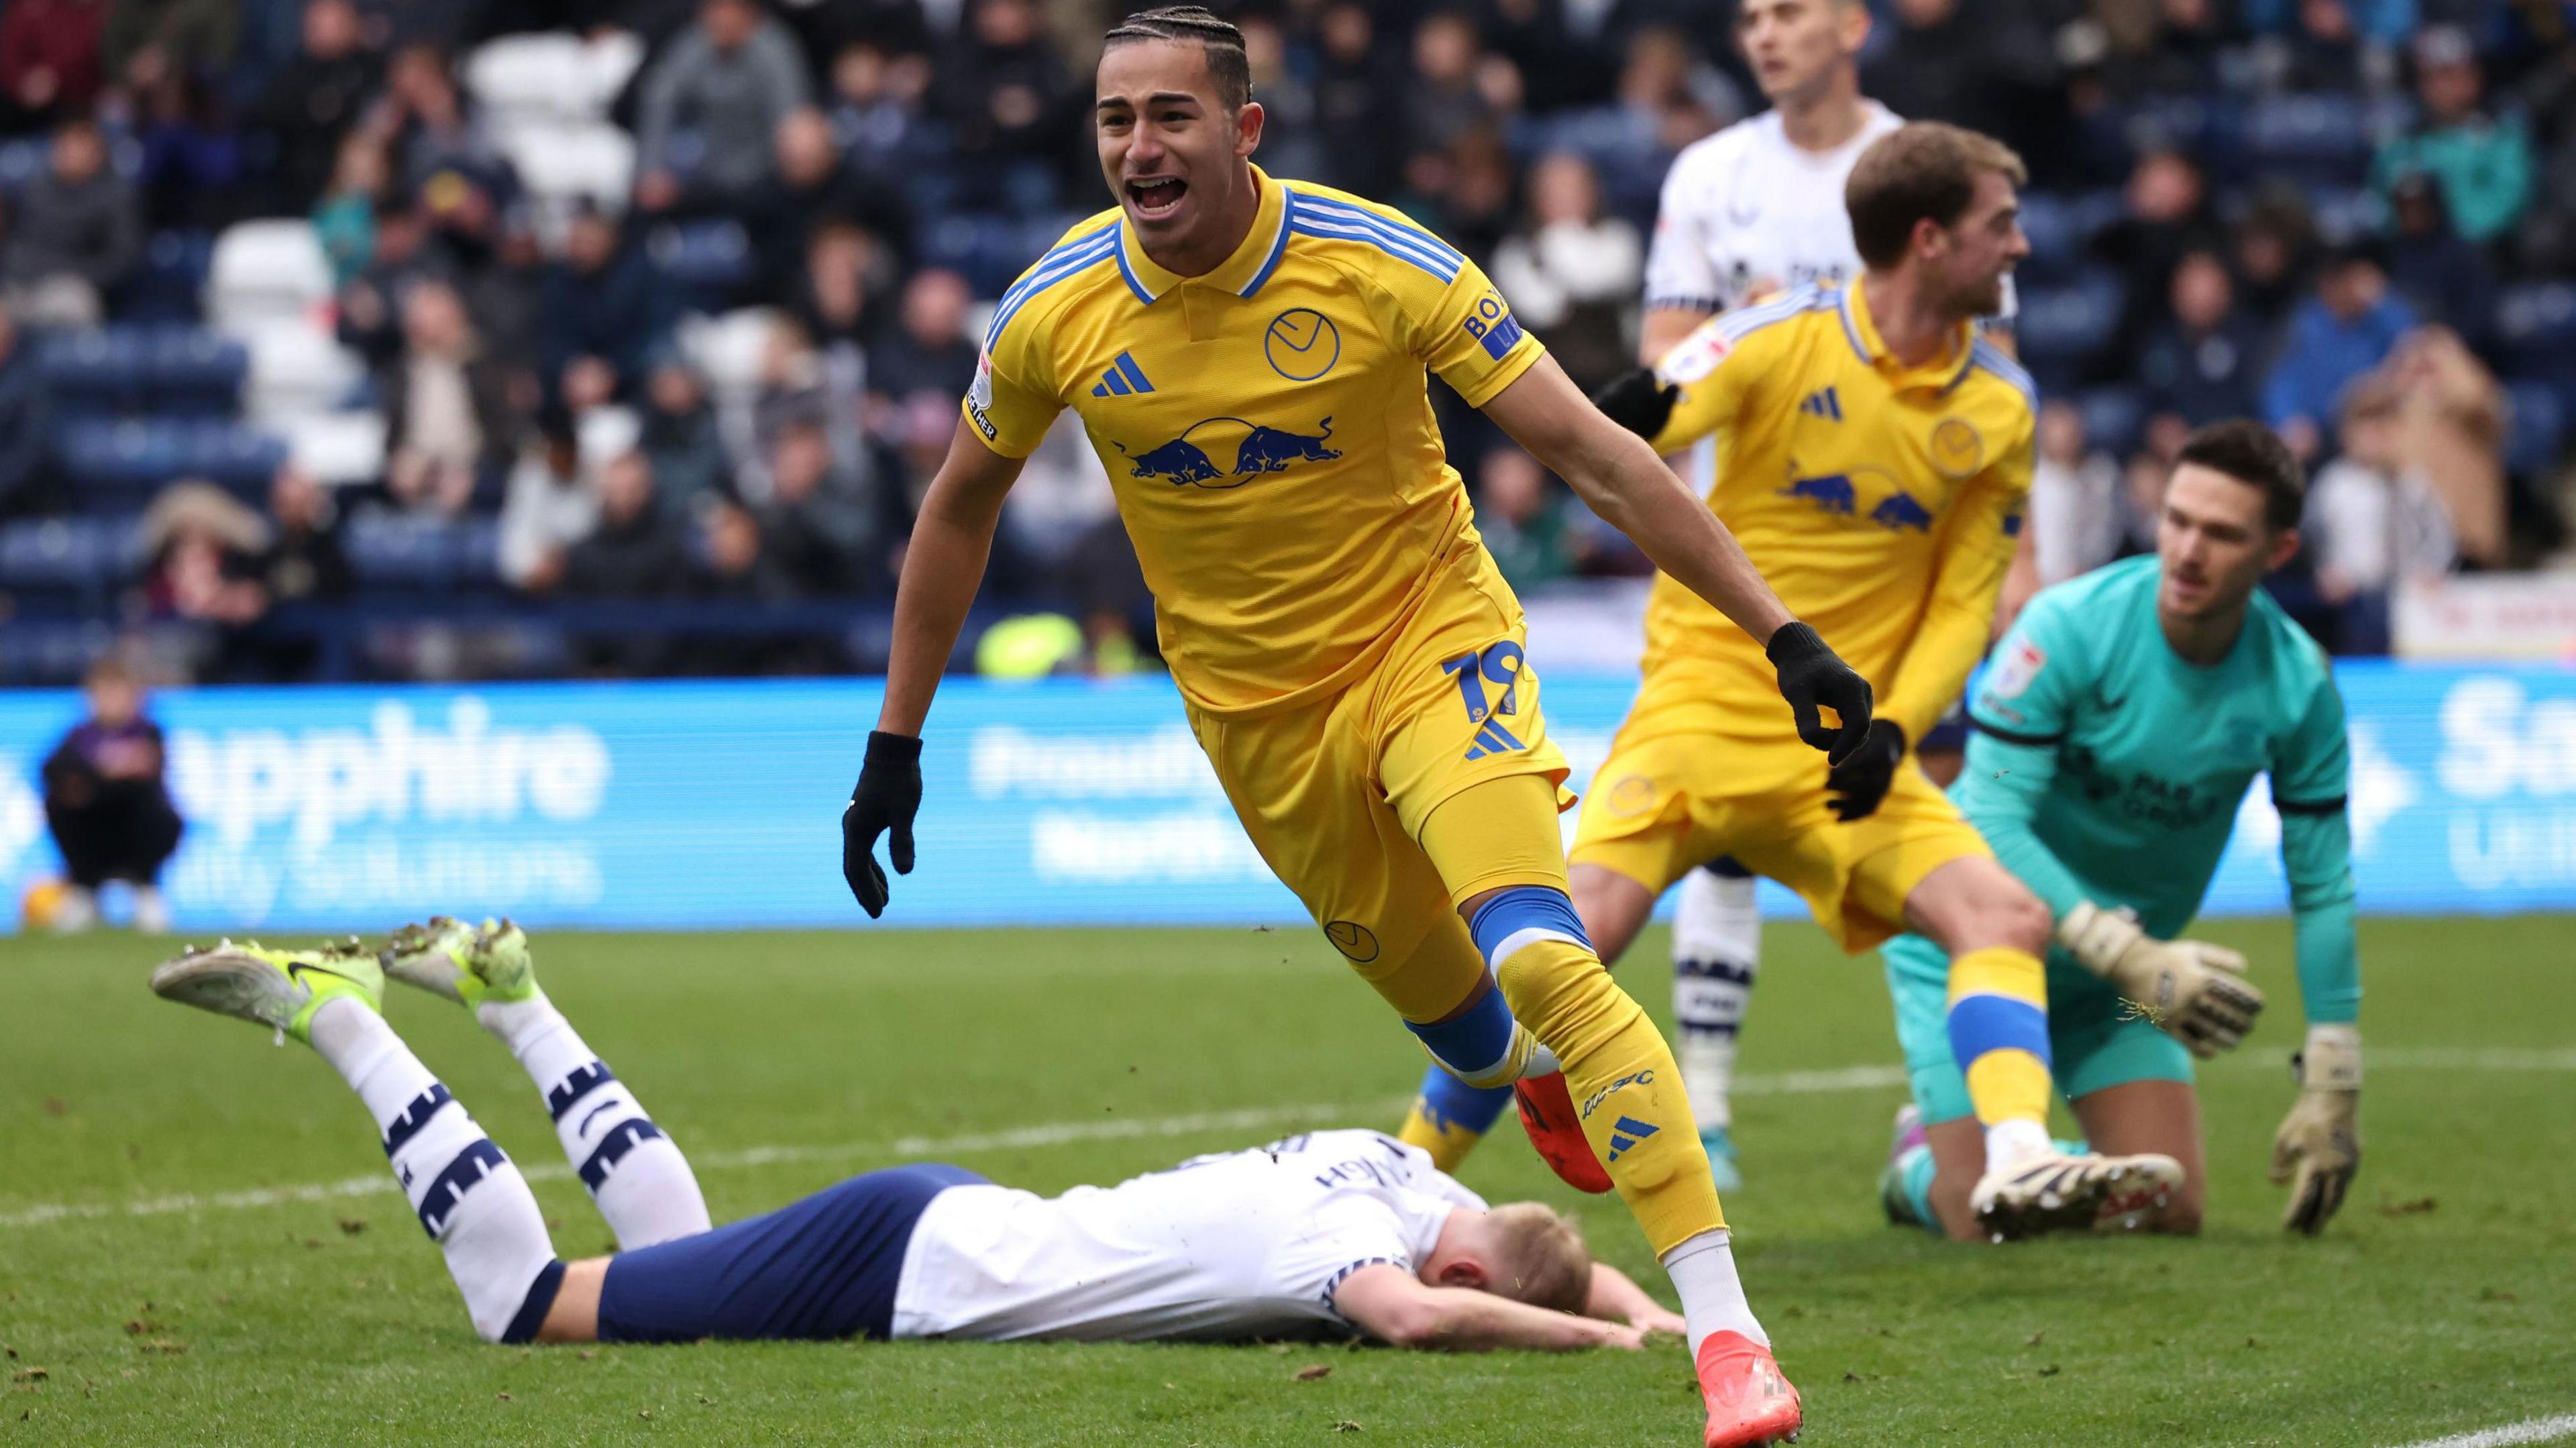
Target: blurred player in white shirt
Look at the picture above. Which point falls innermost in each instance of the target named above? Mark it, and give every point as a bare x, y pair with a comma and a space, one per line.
1329, 1234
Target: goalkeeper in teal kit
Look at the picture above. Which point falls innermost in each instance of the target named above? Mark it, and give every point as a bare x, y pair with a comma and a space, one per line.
2117, 731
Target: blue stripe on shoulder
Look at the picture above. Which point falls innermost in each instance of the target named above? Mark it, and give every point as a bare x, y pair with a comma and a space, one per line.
1983, 353
1322, 217
1328, 206
1737, 325
1065, 261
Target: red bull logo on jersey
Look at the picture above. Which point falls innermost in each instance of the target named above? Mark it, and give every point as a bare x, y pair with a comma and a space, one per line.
1867, 495
1221, 452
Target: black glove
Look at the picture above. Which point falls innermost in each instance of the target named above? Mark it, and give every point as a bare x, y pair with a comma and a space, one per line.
1638, 401
886, 798
1855, 785
1811, 675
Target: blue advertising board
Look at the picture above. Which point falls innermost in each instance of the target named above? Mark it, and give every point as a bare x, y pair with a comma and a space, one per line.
710, 805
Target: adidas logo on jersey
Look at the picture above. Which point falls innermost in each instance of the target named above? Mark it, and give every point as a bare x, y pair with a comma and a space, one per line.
1122, 378
1823, 404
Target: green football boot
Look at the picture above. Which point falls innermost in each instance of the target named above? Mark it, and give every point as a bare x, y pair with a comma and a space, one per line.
450, 958
281, 989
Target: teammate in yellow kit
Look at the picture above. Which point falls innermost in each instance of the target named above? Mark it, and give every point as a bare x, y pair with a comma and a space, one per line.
1874, 456
1248, 357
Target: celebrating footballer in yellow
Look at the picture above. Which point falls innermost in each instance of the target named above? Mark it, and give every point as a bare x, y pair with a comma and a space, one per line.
1249, 358
1874, 456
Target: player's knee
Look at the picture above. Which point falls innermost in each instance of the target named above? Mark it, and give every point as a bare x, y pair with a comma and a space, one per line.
2008, 915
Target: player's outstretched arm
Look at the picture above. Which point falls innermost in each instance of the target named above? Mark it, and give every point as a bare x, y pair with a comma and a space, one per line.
1614, 1297
942, 568
1619, 476
1396, 1307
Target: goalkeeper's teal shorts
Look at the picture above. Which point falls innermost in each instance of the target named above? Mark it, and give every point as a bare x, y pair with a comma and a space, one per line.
2095, 1039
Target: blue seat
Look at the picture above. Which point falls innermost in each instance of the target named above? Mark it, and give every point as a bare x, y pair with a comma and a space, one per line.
401, 553
167, 284
702, 253
2536, 428
2322, 140
144, 453
2537, 325
2209, 128
2059, 328
161, 369
2113, 417
69, 553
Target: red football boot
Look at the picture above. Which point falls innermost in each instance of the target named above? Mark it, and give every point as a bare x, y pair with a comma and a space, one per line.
1749, 1403
1547, 1114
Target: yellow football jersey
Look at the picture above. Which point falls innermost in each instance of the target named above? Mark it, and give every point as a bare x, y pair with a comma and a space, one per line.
1881, 501
1267, 426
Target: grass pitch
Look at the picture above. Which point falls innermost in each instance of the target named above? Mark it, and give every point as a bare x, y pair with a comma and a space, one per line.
199, 1242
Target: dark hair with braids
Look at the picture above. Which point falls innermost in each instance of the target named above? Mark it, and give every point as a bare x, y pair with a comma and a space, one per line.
1224, 44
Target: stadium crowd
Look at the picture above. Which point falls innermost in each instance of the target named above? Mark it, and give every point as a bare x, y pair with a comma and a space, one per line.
413, 338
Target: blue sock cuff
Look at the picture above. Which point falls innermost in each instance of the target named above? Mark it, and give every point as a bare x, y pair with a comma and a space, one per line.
1522, 909
1982, 1023
1473, 1042
1453, 1105
541, 1300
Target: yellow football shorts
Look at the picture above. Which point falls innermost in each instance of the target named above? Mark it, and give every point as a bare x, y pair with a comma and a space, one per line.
1659, 807
1334, 792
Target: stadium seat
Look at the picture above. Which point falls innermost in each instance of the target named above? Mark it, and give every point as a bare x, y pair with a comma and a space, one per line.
166, 285
297, 368
266, 271
69, 554
166, 370
2113, 417
2061, 327
2535, 425
2322, 140
2345, 213
403, 553
336, 448
729, 350
564, 163
705, 259
2210, 128
558, 74
111, 460
2536, 323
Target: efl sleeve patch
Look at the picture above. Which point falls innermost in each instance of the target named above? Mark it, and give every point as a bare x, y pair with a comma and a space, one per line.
2012, 675
1696, 356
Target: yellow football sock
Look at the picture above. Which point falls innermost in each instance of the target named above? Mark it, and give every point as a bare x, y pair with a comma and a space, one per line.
1999, 1033
1447, 1142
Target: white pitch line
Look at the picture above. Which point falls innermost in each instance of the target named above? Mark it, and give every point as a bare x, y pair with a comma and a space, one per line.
1063, 1133
2529, 1430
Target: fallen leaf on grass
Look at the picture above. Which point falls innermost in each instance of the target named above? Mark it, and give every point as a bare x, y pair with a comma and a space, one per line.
352, 1226
506, 1397
2050, 1371
169, 1345
1312, 1371
1346, 1426
54, 1106
1851, 1377
2496, 1294
2415, 1207
586, 1354
2035, 1337
29, 1375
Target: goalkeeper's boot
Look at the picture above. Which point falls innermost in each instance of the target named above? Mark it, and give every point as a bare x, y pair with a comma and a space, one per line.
450, 958
281, 989
2064, 1191
1749, 1402
1547, 1115
1719, 1143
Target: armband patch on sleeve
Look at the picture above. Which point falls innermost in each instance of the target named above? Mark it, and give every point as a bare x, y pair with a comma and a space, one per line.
1493, 324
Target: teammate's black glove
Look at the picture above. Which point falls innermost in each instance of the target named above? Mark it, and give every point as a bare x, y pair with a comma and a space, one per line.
1855, 786
1811, 675
887, 796
1638, 401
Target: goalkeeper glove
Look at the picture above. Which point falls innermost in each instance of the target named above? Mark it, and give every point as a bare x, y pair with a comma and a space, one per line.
1812, 674
1855, 787
2195, 991
1639, 401
887, 796
2318, 1148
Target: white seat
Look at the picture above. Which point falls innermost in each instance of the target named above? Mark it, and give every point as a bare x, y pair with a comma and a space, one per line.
337, 448
606, 432
296, 368
730, 350
523, 75
266, 271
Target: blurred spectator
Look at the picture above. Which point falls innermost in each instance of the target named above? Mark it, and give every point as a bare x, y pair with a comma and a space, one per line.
1008, 101
108, 803
1571, 273
303, 562
203, 546
148, 41
2451, 425
2272, 246
192, 164
49, 61
2201, 363
26, 427
634, 552
446, 158
2075, 506
879, 112
723, 84
1523, 519
816, 188
1454, 89
920, 369
2482, 161
307, 106
2446, 277
734, 563
814, 527
2372, 518
601, 314
2167, 215
2341, 332
344, 219
1359, 90
1938, 66
680, 438
450, 425
76, 232
2319, 47
549, 507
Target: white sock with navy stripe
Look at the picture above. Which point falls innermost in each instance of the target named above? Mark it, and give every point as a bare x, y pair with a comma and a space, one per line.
468, 1196
636, 1175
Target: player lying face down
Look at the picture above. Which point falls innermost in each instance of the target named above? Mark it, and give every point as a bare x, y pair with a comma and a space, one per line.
1332, 1234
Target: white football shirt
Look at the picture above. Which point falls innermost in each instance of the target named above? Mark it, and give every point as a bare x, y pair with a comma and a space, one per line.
1246, 1244
1745, 212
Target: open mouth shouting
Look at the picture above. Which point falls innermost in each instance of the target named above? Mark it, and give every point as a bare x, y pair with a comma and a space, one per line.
1155, 198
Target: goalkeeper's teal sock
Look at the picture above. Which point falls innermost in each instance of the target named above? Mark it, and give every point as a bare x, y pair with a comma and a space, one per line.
1908, 1193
